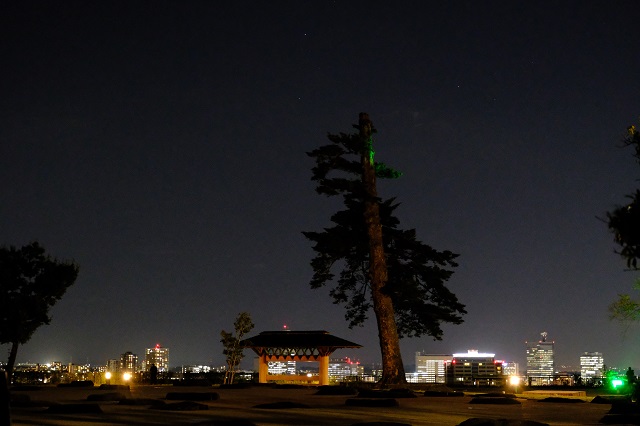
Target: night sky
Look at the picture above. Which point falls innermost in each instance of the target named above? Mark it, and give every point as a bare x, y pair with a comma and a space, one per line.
162, 146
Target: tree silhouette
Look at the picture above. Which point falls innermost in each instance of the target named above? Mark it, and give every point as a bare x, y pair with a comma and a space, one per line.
624, 222
383, 267
31, 282
232, 349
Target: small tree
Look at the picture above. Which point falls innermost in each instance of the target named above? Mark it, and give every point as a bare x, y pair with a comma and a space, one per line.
624, 222
232, 350
31, 282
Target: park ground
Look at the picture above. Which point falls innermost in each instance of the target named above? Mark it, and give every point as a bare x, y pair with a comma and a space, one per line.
278, 405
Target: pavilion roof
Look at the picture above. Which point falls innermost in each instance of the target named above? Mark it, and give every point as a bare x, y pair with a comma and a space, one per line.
297, 339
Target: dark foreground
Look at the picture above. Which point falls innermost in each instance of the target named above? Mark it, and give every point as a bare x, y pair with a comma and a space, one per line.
298, 406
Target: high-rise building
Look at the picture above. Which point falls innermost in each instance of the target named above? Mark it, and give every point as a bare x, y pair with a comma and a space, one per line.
129, 362
342, 370
431, 368
591, 366
475, 369
157, 356
540, 361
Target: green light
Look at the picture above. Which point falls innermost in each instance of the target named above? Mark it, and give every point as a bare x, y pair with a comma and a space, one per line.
369, 149
616, 382
382, 171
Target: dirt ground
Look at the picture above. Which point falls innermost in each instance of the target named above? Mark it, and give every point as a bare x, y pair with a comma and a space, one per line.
299, 406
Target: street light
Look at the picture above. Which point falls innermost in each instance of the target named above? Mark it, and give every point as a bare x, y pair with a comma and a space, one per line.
514, 381
107, 376
126, 376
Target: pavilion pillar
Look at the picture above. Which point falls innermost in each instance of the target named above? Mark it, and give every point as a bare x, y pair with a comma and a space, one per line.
263, 369
323, 369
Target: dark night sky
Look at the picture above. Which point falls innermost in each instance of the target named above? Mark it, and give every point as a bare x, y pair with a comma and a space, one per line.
162, 146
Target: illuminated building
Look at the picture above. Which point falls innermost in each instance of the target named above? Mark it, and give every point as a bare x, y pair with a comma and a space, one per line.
197, 369
430, 368
157, 356
591, 366
78, 372
129, 362
540, 361
474, 368
281, 367
510, 368
26, 367
342, 370
113, 365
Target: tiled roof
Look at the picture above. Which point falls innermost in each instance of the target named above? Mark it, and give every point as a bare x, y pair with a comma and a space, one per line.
297, 339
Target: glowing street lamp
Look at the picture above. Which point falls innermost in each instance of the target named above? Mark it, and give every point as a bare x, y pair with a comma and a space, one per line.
126, 376
514, 381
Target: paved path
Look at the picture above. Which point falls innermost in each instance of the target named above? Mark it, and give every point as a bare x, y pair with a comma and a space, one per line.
237, 405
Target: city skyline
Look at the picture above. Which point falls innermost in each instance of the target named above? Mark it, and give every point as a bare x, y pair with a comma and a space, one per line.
250, 358
162, 146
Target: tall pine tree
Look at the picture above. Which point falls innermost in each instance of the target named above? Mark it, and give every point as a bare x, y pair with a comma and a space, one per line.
382, 267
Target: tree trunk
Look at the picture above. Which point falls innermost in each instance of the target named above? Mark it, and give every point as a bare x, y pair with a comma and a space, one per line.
12, 360
5, 400
392, 367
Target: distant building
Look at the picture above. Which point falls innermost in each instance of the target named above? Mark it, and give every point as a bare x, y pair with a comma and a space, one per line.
281, 367
474, 369
196, 369
540, 361
157, 356
23, 366
129, 362
510, 368
430, 368
113, 365
78, 372
591, 366
343, 370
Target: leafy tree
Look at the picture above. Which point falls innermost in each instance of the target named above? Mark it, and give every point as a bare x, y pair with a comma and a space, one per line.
31, 282
232, 349
624, 222
410, 298
625, 309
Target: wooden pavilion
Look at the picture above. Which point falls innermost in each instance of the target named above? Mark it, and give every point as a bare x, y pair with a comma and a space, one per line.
315, 346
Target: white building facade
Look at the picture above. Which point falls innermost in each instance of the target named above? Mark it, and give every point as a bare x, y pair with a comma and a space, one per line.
430, 368
591, 366
540, 361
